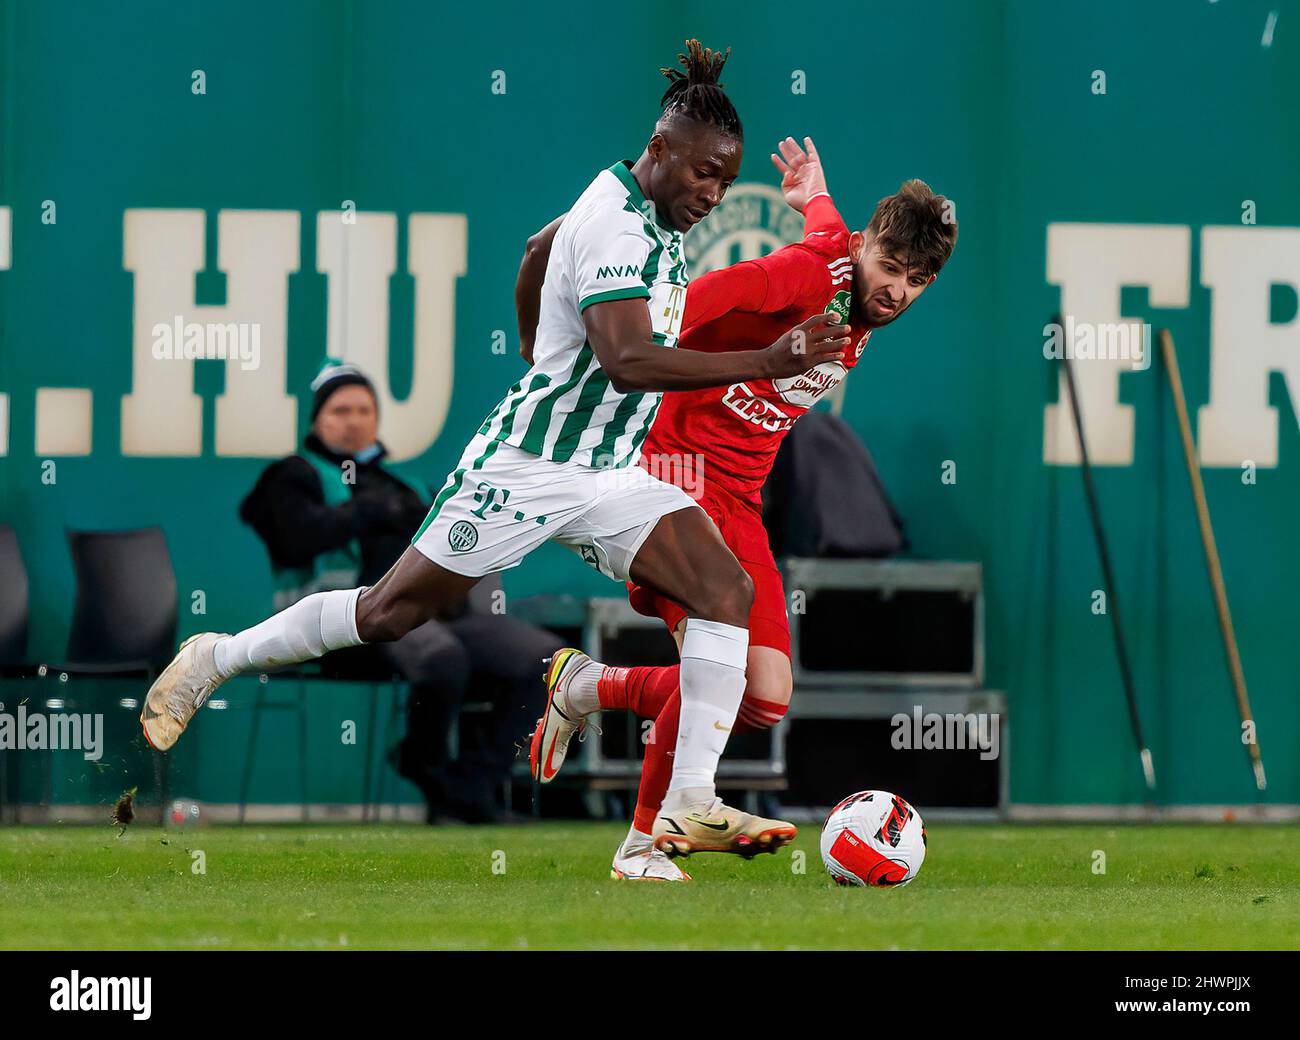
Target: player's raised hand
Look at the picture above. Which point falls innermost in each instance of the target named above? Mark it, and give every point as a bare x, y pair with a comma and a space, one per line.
807, 345
801, 171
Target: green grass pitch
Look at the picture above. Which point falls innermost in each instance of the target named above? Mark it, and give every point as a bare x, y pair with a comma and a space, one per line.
1002, 887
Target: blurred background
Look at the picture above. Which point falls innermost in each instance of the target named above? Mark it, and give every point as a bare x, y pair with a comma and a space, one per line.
201, 160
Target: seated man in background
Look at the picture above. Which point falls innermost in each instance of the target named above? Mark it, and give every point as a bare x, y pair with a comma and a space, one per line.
335, 516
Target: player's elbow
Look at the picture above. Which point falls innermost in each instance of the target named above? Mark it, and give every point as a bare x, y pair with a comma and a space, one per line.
626, 378
622, 385
618, 372
535, 247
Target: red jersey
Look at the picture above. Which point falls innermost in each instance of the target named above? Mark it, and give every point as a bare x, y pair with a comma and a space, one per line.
738, 428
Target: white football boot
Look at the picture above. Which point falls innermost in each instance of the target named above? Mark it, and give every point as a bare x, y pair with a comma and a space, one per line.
645, 865
180, 691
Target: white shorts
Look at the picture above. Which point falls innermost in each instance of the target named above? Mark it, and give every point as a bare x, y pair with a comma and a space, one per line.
500, 503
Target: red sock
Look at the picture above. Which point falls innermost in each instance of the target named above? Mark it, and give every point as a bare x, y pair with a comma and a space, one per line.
642, 691
657, 769
756, 714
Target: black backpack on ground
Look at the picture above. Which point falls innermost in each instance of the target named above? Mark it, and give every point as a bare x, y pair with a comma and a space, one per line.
824, 496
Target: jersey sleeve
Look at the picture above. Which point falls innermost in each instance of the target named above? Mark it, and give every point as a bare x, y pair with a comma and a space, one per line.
608, 250
822, 223
740, 287
797, 275
793, 276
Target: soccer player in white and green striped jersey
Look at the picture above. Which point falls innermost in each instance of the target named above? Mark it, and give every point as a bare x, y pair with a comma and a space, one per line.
555, 460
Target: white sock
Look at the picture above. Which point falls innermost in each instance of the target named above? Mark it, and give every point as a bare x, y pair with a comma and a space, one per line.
311, 627
580, 694
713, 683
637, 843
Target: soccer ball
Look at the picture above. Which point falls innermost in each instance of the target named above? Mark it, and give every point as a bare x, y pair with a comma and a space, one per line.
185, 812
873, 838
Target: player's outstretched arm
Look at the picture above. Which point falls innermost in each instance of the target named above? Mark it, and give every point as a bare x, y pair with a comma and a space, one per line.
528, 286
619, 332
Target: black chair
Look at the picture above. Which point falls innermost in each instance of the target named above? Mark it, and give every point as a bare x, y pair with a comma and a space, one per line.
124, 621
125, 617
14, 607
14, 613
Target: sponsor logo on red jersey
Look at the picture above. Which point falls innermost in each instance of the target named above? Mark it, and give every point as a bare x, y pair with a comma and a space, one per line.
803, 390
742, 400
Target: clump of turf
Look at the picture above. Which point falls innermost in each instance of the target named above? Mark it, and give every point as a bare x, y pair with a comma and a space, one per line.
124, 811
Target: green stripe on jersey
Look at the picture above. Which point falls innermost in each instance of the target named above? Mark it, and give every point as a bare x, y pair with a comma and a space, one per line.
615, 428
634, 452
650, 270
578, 416
448, 489
534, 437
495, 414
581, 418
503, 417
631, 292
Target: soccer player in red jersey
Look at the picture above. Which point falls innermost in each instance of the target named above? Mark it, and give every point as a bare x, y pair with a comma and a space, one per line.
867, 278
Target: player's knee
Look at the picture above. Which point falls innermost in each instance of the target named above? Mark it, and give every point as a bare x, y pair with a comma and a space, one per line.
383, 618
768, 686
770, 692
742, 590
728, 597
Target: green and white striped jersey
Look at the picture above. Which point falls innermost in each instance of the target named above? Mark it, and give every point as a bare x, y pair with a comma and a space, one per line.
609, 247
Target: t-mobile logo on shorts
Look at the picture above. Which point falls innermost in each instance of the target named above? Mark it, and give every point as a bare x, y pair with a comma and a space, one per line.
489, 497
493, 499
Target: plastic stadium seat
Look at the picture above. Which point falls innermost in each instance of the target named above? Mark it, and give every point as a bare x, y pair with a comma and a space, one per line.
13, 604
363, 668
125, 616
13, 636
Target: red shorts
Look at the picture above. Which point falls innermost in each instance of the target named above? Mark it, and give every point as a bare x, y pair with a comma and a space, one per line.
742, 529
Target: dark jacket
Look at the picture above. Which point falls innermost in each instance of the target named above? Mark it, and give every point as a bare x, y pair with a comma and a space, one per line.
288, 511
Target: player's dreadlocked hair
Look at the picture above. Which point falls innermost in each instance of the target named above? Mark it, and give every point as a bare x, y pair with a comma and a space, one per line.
697, 93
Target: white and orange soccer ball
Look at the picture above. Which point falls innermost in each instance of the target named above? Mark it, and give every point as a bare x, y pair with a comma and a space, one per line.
873, 838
